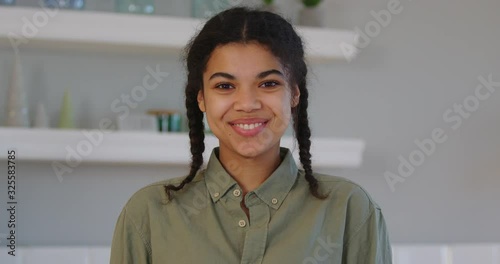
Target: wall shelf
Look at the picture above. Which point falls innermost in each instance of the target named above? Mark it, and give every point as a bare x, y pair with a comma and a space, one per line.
48, 145
89, 30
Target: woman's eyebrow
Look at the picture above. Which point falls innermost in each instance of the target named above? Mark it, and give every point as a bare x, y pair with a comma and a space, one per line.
269, 72
260, 75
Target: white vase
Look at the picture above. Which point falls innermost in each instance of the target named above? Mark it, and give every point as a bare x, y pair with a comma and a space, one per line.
312, 17
17, 110
41, 118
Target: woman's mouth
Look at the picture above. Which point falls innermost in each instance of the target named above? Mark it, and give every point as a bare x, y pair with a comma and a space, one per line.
249, 130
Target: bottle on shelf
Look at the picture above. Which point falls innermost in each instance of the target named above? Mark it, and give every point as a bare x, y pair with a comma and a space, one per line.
65, 4
135, 6
168, 120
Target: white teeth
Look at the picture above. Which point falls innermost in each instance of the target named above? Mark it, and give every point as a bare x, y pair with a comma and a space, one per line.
249, 127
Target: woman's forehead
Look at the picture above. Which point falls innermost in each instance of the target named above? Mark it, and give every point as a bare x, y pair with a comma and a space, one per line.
242, 58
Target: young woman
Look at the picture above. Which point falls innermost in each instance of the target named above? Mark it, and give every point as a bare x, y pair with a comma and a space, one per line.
251, 204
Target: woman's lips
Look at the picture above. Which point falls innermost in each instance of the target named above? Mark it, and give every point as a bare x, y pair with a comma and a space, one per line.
251, 131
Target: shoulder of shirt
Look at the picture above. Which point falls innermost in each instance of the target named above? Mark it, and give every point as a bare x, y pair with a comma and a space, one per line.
154, 194
343, 188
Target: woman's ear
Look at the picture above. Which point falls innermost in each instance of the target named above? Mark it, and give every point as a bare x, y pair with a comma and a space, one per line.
296, 96
201, 101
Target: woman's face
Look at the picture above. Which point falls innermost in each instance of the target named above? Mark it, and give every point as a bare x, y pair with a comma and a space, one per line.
247, 99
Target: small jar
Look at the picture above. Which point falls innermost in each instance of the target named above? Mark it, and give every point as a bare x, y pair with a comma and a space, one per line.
168, 120
174, 122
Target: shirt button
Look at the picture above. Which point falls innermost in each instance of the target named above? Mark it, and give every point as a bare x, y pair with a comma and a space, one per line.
216, 194
242, 223
237, 192
274, 201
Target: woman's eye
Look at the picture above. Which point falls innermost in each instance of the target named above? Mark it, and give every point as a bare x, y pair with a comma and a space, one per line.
223, 86
270, 84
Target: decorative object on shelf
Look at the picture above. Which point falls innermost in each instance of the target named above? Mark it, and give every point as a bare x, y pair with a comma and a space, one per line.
206, 8
137, 122
17, 110
66, 119
161, 116
7, 2
168, 120
268, 5
41, 117
174, 122
65, 4
135, 6
311, 15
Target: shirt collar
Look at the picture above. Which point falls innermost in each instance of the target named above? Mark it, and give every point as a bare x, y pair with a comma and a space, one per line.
272, 191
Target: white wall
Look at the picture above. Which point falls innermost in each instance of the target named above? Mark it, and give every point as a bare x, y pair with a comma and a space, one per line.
428, 58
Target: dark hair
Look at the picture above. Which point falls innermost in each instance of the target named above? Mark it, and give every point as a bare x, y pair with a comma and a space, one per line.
245, 25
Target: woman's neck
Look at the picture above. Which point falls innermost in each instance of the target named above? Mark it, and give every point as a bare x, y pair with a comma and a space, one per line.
250, 173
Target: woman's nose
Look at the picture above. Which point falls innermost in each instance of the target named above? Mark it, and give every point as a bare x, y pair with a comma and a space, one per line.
247, 100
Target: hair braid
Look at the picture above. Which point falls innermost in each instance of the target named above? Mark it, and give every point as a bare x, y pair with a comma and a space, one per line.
196, 136
301, 127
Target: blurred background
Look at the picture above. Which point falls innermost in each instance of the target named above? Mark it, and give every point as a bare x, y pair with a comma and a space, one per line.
417, 101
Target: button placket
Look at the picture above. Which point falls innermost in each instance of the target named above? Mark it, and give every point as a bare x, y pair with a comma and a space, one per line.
256, 234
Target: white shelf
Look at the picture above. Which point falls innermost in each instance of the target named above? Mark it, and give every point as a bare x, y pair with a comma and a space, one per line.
48, 145
141, 33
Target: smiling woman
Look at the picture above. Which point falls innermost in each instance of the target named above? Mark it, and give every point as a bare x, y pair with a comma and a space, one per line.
248, 103
251, 204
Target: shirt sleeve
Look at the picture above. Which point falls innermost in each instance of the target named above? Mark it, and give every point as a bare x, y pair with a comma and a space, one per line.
370, 243
128, 245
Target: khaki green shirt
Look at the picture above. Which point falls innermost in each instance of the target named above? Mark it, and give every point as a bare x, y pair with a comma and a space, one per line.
205, 223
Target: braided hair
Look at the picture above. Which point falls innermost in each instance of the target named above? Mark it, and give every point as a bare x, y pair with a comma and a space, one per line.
244, 25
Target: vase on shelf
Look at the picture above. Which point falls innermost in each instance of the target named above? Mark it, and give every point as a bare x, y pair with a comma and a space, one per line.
17, 110
311, 15
135, 6
41, 117
66, 119
7, 2
65, 4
